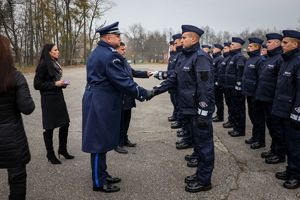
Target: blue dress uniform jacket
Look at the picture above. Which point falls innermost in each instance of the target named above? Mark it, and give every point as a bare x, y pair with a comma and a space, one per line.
268, 73
194, 80
286, 103
217, 60
250, 75
107, 80
222, 69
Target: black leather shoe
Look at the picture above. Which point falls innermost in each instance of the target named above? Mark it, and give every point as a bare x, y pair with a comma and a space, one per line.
275, 159
171, 119
128, 143
282, 175
179, 130
197, 187
175, 125
218, 119
227, 125
291, 184
249, 141
257, 145
189, 157
179, 141
230, 132
183, 145
192, 163
190, 179
111, 179
180, 134
236, 134
107, 188
267, 154
120, 149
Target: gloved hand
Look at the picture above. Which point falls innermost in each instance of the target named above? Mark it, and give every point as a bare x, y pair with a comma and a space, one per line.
201, 122
159, 75
295, 124
149, 94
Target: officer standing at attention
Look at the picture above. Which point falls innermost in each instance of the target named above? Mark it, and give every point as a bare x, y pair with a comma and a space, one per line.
107, 80
234, 72
249, 83
217, 60
194, 81
286, 105
264, 95
227, 89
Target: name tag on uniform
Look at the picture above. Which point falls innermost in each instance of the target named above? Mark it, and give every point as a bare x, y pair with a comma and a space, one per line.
223, 63
252, 66
287, 74
270, 66
214, 63
186, 68
231, 62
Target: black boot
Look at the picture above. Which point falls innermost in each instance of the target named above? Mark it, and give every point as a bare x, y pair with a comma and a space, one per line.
63, 138
48, 139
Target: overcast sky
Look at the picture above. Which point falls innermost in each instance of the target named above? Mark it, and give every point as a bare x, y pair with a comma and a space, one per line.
230, 15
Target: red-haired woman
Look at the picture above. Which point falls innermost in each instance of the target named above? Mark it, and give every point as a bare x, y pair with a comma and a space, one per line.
15, 99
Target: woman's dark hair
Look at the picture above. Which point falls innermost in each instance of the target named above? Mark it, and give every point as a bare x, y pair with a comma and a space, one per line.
7, 79
46, 58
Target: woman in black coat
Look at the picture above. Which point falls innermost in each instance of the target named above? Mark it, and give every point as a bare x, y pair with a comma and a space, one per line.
15, 99
48, 80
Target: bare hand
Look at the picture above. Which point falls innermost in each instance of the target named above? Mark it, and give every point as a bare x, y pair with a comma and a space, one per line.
60, 83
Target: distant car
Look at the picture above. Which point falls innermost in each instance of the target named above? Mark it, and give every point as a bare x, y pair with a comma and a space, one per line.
129, 61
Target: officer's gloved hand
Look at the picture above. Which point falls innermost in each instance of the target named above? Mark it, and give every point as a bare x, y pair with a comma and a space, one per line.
159, 75
295, 124
201, 122
149, 94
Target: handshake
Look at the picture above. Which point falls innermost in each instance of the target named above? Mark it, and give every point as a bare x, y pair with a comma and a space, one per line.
147, 95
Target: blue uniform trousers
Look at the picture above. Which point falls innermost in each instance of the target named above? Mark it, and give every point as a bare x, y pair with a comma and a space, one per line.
98, 164
219, 91
227, 94
258, 120
238, 111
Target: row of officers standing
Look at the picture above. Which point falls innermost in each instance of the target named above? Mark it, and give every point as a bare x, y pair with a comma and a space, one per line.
269, 80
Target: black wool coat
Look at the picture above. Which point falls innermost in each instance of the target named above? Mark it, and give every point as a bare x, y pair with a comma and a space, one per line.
54, 108
14, 150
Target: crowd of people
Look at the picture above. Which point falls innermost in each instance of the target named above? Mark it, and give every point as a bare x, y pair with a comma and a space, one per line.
198, 79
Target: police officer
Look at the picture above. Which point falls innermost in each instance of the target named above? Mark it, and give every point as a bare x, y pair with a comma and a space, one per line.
194, 81
286, 105
249, 83
128, 104
226, 88
264, 51
233, 78
264, 95
107, 79
217, 60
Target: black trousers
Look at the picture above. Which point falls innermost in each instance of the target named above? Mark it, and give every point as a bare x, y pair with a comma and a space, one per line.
258, 121
238, 111
174, 102
98, 164
219, 91
17, 182
125, 121
227, 94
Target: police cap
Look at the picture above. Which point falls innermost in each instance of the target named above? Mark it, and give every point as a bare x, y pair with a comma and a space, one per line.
291, 33
176, 36
206, 46
255, 40
218, 46
191, 28
238, 40
109, 29
274, 36
227, 44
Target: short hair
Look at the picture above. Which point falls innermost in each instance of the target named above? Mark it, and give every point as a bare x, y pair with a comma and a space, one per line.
122, 44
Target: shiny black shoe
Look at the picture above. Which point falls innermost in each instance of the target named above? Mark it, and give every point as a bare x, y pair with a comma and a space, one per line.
230, 132
190, 157
267, 154
192, 163
180, 134
111, 179
128, 143
121, 150
183, 145
179, 141
237, 134
227, 125
175, 125
108, 188
190, 179
275, 159
171, 119
291, 184
179, 130
250, 141
218, 119
197, 187
257, 145
282, 175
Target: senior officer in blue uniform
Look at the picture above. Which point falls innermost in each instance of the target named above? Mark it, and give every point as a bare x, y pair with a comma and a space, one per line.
217, 60
249, 83
194, 81
264, 95
286, 105
233, 78
107, 79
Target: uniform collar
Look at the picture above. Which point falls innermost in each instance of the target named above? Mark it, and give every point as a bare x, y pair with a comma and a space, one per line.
192, 49
235, 51
105, 44
288, 55
276, 51
254, 53
226, 54
215, 55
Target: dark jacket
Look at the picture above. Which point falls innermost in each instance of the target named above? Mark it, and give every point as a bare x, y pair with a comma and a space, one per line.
217, 60
107, 81
286, 102
222, 68
268, 73
128, 100
54, 109
14, 151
